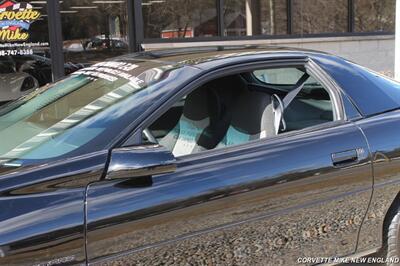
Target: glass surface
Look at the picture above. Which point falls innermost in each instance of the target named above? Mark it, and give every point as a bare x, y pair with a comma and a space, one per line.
232, 111
24, 48
235, 18
279, 76
320, 16
255, 17
93, 30
374, 15
58, 119
179, 19
285, 78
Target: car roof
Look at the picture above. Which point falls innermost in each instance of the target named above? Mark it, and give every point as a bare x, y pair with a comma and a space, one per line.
357, 82
200, 56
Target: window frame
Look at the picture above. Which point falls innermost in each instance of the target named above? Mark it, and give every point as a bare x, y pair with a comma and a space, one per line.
335, 92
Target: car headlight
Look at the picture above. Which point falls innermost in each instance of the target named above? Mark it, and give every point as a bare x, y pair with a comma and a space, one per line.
28, 84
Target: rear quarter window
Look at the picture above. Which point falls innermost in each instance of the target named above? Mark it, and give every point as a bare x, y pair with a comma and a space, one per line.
279, 76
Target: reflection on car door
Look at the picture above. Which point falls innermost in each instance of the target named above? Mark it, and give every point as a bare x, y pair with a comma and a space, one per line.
265, 202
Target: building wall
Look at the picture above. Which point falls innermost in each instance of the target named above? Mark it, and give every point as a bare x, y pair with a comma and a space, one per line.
375, 52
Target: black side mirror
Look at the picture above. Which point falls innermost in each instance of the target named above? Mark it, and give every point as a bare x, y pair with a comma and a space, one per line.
140, 161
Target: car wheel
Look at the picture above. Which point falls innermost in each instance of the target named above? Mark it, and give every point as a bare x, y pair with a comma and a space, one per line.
392, 245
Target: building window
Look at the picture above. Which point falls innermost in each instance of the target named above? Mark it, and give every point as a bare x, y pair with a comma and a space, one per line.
320, 16
93, 31
179, 19
255, 17
25, 62
374, 15
235, 18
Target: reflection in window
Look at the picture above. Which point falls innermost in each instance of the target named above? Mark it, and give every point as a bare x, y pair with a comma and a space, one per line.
320, 16
255, 17
24, 68
93, 30
374, 15
55, 120
273, 17
179, 19
235, 18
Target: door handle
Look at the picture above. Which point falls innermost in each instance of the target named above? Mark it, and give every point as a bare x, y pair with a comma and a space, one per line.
345, 158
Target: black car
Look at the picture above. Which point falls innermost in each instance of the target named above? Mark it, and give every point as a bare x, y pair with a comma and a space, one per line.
37, 66
203, 156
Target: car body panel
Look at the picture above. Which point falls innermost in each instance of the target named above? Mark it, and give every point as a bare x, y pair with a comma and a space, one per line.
358, 84
42, 211
264, 202
383, 135
269, 198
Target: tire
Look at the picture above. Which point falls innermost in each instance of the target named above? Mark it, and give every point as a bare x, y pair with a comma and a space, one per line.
392, 243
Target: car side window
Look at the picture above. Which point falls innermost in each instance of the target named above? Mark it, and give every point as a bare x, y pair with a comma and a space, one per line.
241, 108
279, 76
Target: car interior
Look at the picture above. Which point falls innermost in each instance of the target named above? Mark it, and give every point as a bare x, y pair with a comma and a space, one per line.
240, 108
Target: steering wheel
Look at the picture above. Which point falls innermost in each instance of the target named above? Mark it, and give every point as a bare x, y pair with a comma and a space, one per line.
149, 135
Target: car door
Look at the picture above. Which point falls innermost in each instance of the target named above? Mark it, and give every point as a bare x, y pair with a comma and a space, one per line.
265, 202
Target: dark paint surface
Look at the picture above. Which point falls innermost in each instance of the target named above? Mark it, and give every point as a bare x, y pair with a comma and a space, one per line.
267, 202
42, 212
272, 197
360, 86
383, 135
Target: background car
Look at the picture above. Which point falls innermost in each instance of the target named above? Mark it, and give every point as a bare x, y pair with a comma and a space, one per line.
14, 84
100, 42
218, 155
40, 67
20, 75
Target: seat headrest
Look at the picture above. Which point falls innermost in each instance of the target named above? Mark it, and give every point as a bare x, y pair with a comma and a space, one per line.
196, 105
249, 110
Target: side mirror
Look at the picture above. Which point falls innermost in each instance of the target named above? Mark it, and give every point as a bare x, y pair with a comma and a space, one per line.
140, 161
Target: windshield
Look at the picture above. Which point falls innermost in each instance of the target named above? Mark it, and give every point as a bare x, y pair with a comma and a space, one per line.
56, 120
